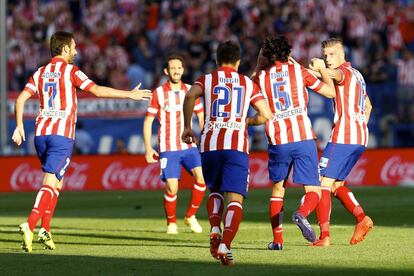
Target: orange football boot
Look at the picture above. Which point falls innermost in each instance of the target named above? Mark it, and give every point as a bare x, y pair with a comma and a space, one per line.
361, 230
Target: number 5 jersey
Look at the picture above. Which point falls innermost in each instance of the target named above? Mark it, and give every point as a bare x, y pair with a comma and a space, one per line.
284, 85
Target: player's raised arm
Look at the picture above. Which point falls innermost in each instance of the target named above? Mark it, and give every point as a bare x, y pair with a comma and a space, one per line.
107, 92
328, 88
18, 134
194, 93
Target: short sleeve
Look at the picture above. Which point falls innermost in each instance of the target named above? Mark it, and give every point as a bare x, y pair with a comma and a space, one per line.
256, 94
154, 105
200, 82
310, 81
81, 80
30, 86
341, 82
198, 107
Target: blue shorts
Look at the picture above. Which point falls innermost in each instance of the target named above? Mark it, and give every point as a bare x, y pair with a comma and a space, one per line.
226, 171
54, 152
171, 161
338, 160
303, 156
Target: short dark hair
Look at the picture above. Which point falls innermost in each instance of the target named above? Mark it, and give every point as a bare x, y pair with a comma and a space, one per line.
228, 52
276, 48
59, 40
172, 57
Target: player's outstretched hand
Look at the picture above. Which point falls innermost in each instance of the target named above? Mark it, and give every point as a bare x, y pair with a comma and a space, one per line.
188, 136
140, 94
151, 156
317, 64
18, 135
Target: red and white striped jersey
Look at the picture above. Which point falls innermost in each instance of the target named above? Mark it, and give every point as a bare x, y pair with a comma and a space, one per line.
284, 85
227, 95
349, 125
167, 105
55, 84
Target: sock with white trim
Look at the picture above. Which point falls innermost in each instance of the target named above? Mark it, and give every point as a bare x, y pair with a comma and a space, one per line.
42, 202
347, 199
232, 219
197, 195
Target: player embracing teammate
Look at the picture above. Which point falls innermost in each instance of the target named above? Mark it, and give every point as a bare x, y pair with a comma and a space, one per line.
348, 141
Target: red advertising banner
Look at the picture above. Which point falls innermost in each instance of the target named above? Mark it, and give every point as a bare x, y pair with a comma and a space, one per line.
387, 167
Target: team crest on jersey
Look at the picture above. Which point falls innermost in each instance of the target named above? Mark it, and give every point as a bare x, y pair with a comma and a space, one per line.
81, 75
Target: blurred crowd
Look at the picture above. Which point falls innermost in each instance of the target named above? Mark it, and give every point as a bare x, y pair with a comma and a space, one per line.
123, 42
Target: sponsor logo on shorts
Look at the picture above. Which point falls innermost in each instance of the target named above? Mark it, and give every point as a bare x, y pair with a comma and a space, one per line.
323, 163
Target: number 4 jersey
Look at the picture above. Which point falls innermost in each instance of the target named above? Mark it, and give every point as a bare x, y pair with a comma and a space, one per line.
55, 84
227, 96
284, 85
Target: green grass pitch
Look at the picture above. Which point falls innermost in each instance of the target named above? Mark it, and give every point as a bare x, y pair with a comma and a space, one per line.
122, 233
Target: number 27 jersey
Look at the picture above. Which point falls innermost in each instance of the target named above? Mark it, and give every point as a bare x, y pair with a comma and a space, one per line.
227, 96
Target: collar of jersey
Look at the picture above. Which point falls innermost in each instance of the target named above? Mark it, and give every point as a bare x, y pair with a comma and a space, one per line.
167, 86
57, 59
227, 69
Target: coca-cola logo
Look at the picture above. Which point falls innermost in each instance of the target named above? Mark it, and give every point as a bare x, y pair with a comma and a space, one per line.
26, 178
76, 176
396, 170
358, 172
259, 175
116, 176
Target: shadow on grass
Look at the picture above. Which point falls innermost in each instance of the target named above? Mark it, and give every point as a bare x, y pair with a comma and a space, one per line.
35, 264
387, 206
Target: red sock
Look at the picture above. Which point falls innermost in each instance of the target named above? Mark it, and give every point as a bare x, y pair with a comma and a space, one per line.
197, 195
215, 208
43, 200
47, 216
347, 199
323, 212
276, 218
232, 219
170, 206
310, 200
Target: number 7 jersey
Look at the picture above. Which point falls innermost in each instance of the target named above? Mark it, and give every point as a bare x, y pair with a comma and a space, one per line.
55, 84
227, 96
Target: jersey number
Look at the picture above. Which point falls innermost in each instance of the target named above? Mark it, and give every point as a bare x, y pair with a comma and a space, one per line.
224, 98
362, 99
52, 94
282, 98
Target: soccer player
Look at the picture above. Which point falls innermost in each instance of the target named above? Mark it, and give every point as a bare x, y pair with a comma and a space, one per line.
167, 105
55, 84
224, 146
291, 140
347, 143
